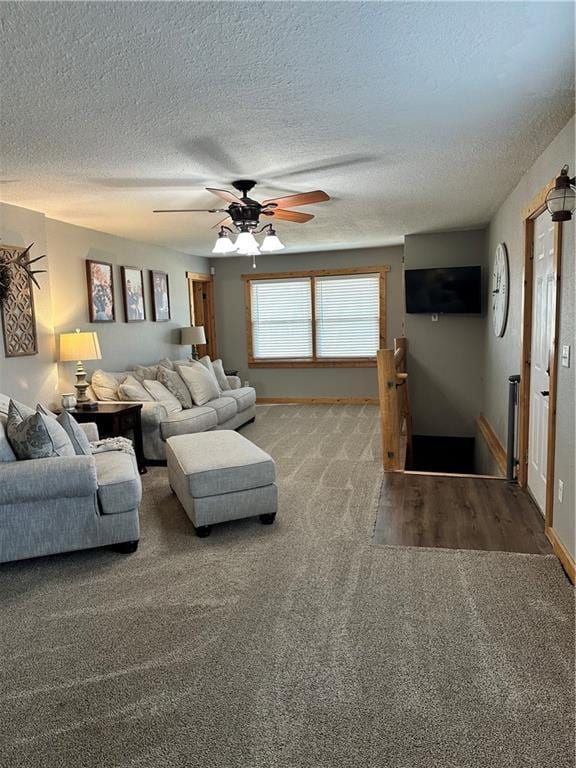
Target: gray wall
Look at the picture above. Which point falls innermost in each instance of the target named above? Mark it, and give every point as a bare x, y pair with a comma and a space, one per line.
502, 356
445, 357
300, 382
62, 305
122, 344
30, 378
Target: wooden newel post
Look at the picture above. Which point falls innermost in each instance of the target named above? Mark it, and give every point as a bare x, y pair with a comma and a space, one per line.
390, 416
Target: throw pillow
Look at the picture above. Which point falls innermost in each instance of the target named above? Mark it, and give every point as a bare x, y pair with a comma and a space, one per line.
36, 436
167, 363
218, 368
77, 436
42, 409
207, 363
133, 390
174, 384
142, 372
6, 452
200, 382
163, 395
105, 385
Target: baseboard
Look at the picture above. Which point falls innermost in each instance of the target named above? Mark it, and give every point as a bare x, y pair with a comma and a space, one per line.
317, 400
561, 553
493, 442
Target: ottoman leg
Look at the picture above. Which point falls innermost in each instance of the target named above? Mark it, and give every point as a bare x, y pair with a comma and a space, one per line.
202, 531
268, 519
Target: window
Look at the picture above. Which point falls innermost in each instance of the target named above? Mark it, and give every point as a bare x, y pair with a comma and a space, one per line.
347, 316
281, 318
323, 318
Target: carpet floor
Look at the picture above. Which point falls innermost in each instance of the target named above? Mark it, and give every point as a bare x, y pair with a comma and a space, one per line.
297, 645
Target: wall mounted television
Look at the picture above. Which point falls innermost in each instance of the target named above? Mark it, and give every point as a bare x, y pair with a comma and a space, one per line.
444, 290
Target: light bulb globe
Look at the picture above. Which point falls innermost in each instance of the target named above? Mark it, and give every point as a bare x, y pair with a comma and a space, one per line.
271, 243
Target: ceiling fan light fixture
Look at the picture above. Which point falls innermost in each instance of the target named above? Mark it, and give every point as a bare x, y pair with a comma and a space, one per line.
246, 244
272, 242
223, 243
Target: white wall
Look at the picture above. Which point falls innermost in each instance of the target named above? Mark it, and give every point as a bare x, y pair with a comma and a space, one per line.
62, 302
502, 356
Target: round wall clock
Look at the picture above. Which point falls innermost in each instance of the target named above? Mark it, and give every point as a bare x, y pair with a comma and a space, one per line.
500, 290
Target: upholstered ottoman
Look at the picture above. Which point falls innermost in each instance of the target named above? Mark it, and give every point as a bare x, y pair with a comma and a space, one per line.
220, 476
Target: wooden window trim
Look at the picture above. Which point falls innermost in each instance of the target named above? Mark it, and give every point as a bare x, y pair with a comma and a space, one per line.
314, 361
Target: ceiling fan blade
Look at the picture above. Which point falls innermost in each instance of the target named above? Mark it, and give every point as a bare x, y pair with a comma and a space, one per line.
230, 197
224, 223
328, 164
304, 198
295, 216
190, 210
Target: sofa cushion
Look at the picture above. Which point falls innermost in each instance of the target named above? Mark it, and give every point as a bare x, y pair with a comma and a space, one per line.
105, 385
221, 462
218, 368
188, 421
201, 382
245, 397
6, 452
76, 433
33, 435
175, 384
161, 394
225, 408
132, 390
119, 486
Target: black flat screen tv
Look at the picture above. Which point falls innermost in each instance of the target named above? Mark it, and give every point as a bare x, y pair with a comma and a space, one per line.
444, 290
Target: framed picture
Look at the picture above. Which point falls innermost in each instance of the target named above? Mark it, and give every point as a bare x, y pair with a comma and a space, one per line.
100, 278
133, 294
160, 296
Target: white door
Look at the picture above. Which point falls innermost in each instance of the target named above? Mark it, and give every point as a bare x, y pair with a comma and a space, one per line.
541, 352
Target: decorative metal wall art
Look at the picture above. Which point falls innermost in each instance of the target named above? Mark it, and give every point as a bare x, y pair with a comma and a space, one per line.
17, 300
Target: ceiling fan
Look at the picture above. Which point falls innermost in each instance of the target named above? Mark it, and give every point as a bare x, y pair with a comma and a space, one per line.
244, 212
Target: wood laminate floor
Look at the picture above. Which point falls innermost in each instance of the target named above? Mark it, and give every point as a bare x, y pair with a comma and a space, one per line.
458, 513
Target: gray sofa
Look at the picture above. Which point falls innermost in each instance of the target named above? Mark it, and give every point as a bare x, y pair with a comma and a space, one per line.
235, 407
66, 503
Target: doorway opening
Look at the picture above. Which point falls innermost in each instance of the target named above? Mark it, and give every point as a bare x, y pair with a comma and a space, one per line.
201, 299
540, 331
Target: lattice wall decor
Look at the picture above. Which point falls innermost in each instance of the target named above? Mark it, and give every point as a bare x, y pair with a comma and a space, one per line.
18, 318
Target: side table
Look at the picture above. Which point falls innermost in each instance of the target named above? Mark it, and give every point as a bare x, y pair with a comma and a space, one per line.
115, 419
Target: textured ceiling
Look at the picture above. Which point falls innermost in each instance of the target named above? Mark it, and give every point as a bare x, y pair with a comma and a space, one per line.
412, 116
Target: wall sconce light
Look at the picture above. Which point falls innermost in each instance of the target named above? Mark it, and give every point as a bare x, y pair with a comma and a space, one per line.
561, 200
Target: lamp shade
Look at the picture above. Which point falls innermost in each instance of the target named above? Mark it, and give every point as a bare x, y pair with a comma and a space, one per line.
79, 346
193, 335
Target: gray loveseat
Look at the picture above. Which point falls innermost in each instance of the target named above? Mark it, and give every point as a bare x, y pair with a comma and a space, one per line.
66, 503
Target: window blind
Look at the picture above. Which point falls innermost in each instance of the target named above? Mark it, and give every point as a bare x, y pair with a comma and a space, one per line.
281, 318
347, 316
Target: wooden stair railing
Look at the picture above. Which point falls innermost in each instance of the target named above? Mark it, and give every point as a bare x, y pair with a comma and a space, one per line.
395, 414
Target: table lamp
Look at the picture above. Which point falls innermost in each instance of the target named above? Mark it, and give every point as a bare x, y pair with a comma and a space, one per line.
193, 335
77, 347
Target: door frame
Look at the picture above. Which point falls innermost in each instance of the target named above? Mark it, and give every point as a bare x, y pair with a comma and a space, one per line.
210, 323
530, 213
